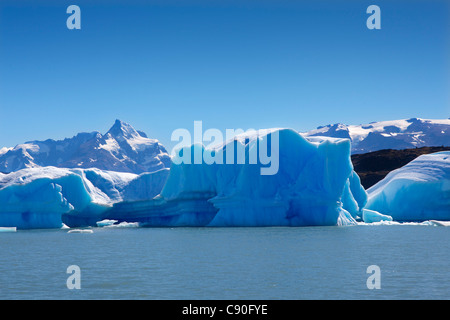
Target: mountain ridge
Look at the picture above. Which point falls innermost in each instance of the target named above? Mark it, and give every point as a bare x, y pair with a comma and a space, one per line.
393, 134
121, 149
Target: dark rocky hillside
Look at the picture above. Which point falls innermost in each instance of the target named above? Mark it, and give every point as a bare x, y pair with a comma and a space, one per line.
374, 166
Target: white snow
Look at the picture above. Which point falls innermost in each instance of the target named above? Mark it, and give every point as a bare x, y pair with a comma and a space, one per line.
34, 148
4, 150
111, 145
139, 143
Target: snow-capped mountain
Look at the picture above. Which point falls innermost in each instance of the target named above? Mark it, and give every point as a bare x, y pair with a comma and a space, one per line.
121, 149
396, 134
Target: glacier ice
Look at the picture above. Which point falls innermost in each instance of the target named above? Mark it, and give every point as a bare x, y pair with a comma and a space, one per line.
47, 197
371, 216
105, 222
315, 185
108, 223
306, 190
36, 204
80, 231
418, 191
124, 224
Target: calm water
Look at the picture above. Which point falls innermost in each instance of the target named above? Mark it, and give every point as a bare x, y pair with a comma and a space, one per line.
228, 263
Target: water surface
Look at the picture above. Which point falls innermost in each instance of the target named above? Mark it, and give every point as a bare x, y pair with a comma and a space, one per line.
227, 263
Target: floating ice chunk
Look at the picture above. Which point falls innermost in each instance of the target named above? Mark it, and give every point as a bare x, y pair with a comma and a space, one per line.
370, 216
396, 223
124, 224
8, 229
105, 223
80, 231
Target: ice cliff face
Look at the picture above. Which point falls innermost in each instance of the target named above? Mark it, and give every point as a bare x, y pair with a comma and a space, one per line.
416, 192
121, 149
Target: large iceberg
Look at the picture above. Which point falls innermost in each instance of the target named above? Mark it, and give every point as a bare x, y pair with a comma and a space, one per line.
46, 197
308, 182
418, 191
315, 185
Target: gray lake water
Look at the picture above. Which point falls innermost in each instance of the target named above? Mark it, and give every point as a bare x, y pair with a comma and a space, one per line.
228, 263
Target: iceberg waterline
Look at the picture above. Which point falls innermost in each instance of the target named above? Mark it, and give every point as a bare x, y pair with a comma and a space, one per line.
315, 185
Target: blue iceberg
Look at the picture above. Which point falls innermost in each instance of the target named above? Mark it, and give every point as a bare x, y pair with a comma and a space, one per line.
371, 216
418, 191
314, 185
47, 197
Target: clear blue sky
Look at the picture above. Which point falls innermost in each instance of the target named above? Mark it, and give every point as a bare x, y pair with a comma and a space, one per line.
160, 65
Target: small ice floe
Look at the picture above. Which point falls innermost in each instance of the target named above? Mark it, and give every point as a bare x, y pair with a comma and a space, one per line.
80, 231
432, 223
8, 229
125, 224
113, 224
106, 223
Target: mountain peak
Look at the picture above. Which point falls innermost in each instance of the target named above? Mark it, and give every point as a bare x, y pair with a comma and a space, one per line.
122, 129
121, 149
